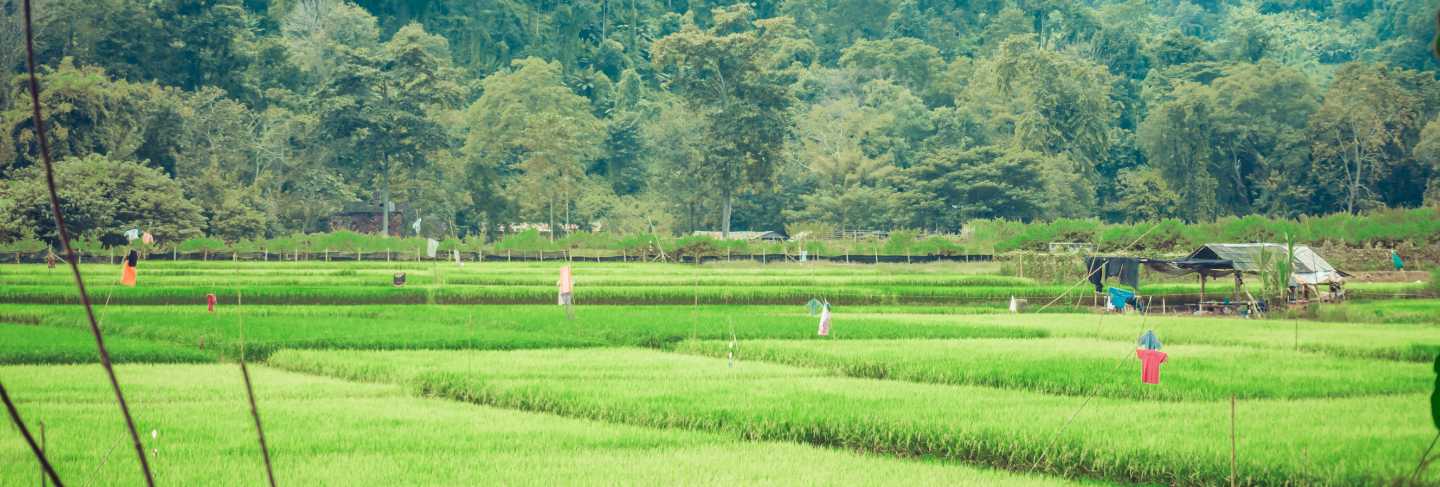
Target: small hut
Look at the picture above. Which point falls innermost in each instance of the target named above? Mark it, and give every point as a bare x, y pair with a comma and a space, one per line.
1309, 269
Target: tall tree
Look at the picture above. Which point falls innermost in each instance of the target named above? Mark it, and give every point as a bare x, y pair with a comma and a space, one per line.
528, 123
1362, 134
952, 186
1221, 144
908, 62
674, 141
378, 108
850, 188
1056, 104
736, 75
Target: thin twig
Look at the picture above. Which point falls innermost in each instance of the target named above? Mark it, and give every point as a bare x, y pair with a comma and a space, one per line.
103, 461
64, 235
25, 432
259, 430
250, 391
1416, 476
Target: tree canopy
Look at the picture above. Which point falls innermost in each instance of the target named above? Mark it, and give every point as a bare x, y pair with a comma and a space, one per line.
243, 119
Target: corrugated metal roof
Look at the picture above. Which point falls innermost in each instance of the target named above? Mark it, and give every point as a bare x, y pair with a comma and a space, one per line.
1309, 265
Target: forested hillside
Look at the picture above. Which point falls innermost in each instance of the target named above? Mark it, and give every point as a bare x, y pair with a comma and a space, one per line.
244, 119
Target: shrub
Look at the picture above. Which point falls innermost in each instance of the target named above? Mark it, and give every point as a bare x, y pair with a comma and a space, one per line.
204, 245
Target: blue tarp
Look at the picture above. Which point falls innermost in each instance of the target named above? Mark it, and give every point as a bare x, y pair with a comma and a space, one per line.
1118, 298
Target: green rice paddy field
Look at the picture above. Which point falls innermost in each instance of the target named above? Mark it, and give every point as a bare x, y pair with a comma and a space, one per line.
709, 375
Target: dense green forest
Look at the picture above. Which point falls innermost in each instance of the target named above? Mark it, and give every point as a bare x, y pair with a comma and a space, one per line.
246, 119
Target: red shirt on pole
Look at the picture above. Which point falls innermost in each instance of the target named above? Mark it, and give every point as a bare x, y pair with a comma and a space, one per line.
1150, 361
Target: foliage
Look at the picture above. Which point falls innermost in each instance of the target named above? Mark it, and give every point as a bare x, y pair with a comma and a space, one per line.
670, 117
735, 76
102, 199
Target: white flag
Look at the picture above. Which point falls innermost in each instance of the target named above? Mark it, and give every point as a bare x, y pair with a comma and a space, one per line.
416, 226
431, 245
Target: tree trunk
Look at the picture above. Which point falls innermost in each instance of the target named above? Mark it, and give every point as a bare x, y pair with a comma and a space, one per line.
385, 204
725, 215
1240, 189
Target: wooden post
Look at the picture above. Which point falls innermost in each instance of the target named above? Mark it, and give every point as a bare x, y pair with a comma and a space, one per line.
1232, 441
1201, 306
1235, 293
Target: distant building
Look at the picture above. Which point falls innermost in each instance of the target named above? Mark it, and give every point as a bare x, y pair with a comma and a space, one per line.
366, 218
768, 236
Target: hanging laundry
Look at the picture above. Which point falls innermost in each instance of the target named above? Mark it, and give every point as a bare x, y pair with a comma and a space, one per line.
1095, 272
1127, 269
132, 234
147, 238
566, 286
825, 320
1118, 298
813, 306
431, 246
1148, 340
1130, 273
1014, 306
210, 302
127, 275
1150, 361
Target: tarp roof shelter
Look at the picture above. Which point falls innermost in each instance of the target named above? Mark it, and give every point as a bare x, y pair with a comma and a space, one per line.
1217, 259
